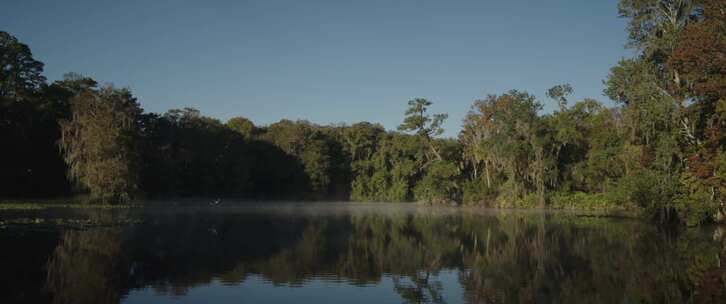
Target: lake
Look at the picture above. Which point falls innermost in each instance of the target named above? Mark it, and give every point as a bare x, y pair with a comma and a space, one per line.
351, 253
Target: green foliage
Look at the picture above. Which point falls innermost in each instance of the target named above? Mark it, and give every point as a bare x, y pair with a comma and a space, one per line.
99, 142
243, 126
649, 111
583, 201
424, 126
418, 121
695, 203
654, 25
507, 200
477, 192
20, 73
607, 158
438, 185
510, 141
559, 93
405, 167
650, 190
389, 174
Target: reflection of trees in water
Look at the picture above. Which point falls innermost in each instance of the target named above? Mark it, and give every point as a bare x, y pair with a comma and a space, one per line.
589, 261
85, 267
305, 259
364, 249
420, 289
507, 258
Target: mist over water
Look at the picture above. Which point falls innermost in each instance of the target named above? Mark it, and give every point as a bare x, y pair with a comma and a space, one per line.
291, 252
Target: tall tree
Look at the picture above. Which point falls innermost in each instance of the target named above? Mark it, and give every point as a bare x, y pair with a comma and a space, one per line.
99, 142
29, 110
422, 124
654, 25
509, 139
20, 73
559, 93
700, 58
666, 106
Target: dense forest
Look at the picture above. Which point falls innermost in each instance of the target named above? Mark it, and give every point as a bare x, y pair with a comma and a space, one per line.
660, 150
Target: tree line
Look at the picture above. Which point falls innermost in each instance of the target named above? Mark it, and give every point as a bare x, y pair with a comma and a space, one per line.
660, 149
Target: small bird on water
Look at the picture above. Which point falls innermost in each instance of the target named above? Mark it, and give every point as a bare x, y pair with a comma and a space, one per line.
216, 202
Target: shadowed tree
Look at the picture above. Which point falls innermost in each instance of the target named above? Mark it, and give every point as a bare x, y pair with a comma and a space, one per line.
20, 73
29, 110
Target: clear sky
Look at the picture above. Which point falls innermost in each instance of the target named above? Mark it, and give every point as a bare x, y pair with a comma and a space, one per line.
325, 61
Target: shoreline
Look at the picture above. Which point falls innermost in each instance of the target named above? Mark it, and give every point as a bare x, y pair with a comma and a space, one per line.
44, 204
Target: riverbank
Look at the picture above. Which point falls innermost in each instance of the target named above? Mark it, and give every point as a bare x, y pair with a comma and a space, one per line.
571, 204
31, 205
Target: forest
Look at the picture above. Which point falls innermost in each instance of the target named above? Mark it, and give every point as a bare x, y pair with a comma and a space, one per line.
658, 151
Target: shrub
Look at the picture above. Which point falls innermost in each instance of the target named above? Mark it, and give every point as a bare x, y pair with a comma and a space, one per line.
437, 184
476, 192
650, 190
582, 201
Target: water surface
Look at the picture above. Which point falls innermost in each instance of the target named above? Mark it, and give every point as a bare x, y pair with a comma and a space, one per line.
351, 253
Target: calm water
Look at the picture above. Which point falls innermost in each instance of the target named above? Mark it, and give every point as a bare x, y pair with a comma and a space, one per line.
352, 253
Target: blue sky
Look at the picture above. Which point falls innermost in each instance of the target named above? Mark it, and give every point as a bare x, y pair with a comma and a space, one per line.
325, 61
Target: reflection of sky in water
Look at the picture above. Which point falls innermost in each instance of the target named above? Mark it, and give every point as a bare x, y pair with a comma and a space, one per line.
256, 289
353, 253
